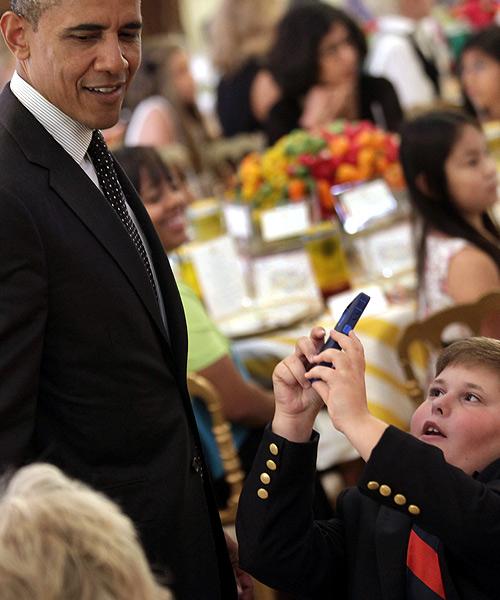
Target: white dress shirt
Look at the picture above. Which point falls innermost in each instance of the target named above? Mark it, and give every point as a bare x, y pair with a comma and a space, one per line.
75, 139
392, 56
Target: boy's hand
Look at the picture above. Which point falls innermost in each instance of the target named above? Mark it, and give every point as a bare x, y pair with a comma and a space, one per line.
342, 388
297, 403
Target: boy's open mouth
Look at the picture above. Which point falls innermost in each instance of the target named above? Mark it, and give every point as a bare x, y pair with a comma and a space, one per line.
430, 428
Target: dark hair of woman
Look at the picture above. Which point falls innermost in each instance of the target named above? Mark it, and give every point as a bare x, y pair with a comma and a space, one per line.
426, 143
137, 159
294, 57
487, 41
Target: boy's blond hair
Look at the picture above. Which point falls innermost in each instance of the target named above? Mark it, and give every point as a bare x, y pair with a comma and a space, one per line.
60, 540
474, 351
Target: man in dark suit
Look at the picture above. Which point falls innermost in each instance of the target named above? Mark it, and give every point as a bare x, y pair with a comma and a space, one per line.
92, 333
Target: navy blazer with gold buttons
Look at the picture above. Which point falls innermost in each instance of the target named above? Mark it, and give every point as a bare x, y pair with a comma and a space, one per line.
361, 553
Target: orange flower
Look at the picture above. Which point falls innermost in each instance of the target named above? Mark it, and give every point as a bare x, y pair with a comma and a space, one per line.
296, 189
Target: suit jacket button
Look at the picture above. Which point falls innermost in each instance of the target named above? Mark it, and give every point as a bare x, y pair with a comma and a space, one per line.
413, 509
271, 465
196, 465
264, 477
273, 449
399, 499
373, 485
385, 490
262, 494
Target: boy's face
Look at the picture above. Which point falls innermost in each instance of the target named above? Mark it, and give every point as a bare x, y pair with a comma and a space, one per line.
461, 416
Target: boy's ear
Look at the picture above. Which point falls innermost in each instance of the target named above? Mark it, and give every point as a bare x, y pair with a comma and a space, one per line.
14, 29
422, 184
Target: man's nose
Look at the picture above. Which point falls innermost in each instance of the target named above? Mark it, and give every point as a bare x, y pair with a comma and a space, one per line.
111, 56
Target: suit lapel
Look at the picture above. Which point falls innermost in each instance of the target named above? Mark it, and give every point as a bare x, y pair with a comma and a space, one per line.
390, 547
168, 286
88, 204
96, 213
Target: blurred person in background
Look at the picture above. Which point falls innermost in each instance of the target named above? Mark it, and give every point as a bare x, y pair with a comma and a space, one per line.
61, 540
317, 61
452, 184
162, 99
241, 34
407, 48
479, 69
248, 406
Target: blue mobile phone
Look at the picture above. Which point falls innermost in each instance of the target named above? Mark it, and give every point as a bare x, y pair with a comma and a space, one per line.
347, 321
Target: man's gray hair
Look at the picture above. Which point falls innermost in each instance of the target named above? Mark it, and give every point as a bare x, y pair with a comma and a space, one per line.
31, 10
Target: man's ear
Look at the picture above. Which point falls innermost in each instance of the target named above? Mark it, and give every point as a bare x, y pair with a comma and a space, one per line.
14, 29
422, 184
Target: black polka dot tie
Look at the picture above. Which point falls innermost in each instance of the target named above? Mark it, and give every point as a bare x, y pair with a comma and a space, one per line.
111, 188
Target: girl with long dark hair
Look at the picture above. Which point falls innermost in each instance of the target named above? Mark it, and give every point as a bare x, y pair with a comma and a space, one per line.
452, 183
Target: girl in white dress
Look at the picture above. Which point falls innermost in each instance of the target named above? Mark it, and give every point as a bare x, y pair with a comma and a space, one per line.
452, 182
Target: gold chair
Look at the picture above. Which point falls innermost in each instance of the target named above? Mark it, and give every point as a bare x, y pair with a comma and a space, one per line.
199, 387
428, 333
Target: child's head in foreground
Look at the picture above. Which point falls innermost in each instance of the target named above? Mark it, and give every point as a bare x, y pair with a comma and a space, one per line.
61, 540
461, 414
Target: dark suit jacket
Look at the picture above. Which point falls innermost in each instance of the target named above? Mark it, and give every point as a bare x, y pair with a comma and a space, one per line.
88, 378
361, 554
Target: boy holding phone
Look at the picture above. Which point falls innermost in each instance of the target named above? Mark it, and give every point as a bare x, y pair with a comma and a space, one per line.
424, 520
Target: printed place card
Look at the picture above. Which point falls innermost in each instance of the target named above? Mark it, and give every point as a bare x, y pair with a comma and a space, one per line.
285, 221
238, 220
220, 275
283, 276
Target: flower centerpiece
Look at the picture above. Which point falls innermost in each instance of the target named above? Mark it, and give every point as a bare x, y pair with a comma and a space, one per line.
302, 164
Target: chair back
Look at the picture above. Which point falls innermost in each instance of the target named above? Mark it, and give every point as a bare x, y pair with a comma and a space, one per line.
199, 387
429, 332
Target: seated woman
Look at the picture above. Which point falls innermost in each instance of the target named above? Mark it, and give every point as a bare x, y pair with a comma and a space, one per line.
317, 61
241, 34
452, 182
60, 540
162, 98
479, 68
248, 406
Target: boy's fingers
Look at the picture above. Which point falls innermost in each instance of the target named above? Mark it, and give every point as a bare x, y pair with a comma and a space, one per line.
309, 346
296, 368
325, 374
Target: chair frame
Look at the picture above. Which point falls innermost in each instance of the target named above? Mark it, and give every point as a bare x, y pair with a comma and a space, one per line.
429, 331
200, 387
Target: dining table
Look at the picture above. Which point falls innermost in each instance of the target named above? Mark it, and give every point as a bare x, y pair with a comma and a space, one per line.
379, 330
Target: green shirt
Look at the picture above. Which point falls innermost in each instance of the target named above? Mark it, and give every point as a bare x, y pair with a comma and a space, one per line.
206, 344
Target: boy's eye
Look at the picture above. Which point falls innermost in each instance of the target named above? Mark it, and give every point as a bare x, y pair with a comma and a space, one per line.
434, 392
472, 398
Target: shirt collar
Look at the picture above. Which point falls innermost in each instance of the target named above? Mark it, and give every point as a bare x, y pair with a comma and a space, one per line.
70, 134
396, 24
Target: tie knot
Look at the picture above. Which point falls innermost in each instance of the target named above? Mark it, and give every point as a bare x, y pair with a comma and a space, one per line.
97, 147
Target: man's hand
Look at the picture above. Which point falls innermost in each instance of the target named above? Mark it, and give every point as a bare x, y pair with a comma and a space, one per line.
244, 582
297, 403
